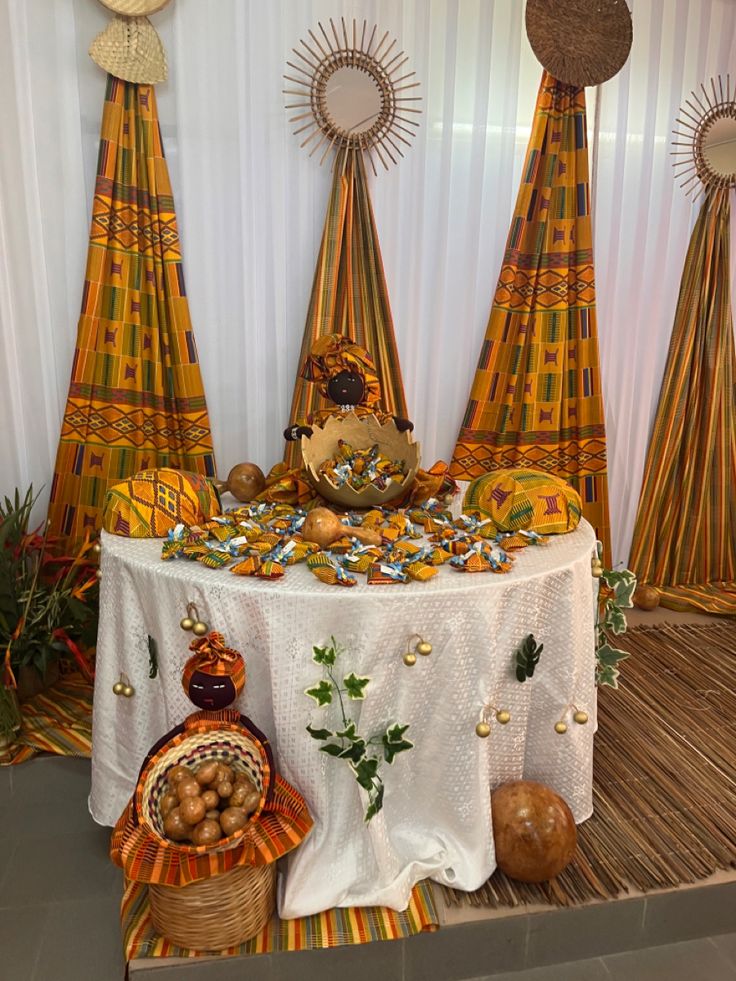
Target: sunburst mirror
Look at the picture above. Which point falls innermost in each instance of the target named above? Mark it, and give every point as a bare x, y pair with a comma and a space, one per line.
705, 143
352, 91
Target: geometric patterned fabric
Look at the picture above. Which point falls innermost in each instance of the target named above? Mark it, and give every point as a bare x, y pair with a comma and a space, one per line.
153, 502
524, 500
536, 398
135, 397
685, 535
349, 295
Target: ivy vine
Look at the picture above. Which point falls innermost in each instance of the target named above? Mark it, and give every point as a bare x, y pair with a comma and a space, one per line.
615, 597
346, 743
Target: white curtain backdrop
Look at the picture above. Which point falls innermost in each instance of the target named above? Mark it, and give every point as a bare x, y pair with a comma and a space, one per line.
251, 206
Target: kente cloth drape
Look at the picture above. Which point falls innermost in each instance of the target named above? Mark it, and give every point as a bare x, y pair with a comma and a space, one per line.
536, 398
685, 534
349, 294
135, 398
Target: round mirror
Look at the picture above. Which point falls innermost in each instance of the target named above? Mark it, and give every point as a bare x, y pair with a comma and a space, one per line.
353, 100
719, 146
352, 90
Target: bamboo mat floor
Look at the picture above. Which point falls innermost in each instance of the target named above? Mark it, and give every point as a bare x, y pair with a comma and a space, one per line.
664, 777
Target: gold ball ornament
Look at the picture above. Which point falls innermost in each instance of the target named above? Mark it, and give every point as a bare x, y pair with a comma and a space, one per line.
580, 717
97, 548
199, 629
596, 568
186, 623
503, 716
128, 691
483, 730
410, 659
424, 648
98, 574
118, 688
560, 728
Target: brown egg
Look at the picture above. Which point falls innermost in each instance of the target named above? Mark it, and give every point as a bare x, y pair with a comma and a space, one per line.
252, 801
232, 819
224, 772
168, 803
175, 827
224, 788
206, 773
206, 833
192, 810
187, 788
178, 773
213, 815
211, 799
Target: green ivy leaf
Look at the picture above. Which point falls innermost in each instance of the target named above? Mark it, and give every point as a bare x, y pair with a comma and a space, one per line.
355, 686
391, 750
319, 733
321, 693
355, 751
365, 771
375, 802
349, 732
610, 656
395, 732
332, 749
324, 655
614, 619
607, 676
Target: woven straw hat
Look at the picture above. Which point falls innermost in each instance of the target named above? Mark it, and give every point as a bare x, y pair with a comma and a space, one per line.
129, 48
134, 8
581, 42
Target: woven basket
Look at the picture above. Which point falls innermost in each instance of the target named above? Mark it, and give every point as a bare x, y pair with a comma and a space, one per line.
134, 8
216, 913
580, 42
361, 432
226, 909
129, 48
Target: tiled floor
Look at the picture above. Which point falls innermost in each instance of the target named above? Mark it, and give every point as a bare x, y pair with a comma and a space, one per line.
59, 899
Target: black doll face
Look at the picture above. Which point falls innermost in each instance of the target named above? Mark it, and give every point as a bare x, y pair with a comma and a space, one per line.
346, 388
211, 691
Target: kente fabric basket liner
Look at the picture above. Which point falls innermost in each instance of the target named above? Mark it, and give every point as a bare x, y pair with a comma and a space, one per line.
280, 823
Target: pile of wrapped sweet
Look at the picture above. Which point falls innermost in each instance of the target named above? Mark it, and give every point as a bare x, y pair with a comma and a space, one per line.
359, 468
263, 539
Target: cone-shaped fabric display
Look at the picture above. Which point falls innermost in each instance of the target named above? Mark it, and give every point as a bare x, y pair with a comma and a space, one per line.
536, 399
135, 399
685, 535
349, 295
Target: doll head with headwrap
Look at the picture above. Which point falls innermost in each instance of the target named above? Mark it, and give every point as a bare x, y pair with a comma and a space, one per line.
345, 375
214, 675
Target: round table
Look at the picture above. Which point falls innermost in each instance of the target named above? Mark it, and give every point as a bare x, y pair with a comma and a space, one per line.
436, 819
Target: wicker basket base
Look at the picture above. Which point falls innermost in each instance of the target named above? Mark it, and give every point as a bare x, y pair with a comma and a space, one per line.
215, 913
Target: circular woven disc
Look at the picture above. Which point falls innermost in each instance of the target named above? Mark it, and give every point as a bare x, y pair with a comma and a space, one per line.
581, 42
129, 48
134, 8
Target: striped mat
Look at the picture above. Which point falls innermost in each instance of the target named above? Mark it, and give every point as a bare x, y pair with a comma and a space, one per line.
333, 928
58, 720
664, 775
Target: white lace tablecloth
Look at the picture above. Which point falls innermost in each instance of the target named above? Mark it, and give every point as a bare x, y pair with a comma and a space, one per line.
436, 817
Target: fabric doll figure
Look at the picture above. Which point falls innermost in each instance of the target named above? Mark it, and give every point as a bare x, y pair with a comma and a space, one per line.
347, 377
214, 676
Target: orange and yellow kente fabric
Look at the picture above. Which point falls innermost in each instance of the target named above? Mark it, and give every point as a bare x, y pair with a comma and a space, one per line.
536, 399
685, 535
349, 295
135, 399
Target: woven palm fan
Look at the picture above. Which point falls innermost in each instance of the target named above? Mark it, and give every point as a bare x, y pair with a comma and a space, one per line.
129, 48
580, 42
134, 8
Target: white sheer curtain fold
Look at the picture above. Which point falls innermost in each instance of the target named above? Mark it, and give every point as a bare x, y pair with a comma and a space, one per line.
251, 206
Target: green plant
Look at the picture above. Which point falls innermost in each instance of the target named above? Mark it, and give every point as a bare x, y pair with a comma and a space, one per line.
615, 596
347, 743
527, 657
48, 600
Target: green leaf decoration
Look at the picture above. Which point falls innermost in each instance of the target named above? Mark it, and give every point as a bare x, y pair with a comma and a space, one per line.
614, 618
607, 676
152, 657
355, 686
321, 693
365, 771
394, 733
324, 655
320, 733
527, 657
392, 747
610, 656
332, 749
355, 751
349, 732
375, 798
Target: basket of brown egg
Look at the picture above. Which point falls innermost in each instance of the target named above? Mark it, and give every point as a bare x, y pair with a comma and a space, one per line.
397, 453
202, 793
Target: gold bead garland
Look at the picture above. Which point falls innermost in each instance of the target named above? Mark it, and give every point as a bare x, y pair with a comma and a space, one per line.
422, 647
